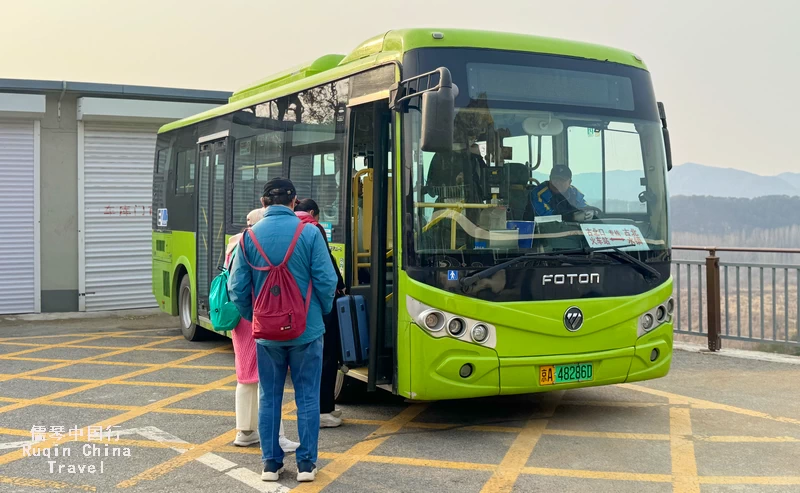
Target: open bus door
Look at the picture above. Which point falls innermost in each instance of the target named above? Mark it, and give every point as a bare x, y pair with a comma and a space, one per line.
369, 263
210, 220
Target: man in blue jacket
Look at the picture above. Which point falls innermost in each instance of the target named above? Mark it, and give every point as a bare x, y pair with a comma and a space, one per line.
556, 196
310, 262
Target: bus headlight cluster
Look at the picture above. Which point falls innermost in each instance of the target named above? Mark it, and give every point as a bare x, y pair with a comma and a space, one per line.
439, 323
656, 317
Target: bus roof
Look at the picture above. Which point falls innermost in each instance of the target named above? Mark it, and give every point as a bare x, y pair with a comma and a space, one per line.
390, 47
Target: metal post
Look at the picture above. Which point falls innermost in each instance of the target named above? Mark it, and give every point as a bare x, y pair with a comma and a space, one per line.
713, 301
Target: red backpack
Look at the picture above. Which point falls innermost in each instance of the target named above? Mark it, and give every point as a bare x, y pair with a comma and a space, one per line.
279, 313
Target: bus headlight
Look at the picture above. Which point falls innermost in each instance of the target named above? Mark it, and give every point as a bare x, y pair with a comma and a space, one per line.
455, 327
655, 317
480, 333
440, 324
434, 321
647, 322
661, 313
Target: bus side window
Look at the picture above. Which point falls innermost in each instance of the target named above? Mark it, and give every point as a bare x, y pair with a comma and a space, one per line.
257, 157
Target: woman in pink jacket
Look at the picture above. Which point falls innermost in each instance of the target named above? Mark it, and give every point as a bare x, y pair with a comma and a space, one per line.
244, 348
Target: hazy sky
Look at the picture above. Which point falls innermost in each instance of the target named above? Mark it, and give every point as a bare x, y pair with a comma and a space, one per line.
728, 71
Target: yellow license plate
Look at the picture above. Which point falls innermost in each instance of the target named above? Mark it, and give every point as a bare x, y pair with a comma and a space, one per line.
553, 374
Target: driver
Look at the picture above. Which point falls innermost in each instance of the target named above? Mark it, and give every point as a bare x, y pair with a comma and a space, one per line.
557, 195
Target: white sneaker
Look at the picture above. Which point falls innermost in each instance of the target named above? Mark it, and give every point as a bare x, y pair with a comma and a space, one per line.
287, 445
337, 413
304, 475
245, 439
272, 471
329, 421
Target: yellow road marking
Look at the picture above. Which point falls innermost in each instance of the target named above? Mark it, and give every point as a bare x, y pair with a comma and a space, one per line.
196, 412
180, 460
339, 466
79, 361
70, 362
763, 480
86, 405
703, 404
746, 439
578, 473
42, 483
684, 462
106, 348
195, 451
14, 432
13, 456
202, 367
631, 404
369, 422
603, 434
511, 466
88, 386
121, 334
50, 346
440, 464
449, 426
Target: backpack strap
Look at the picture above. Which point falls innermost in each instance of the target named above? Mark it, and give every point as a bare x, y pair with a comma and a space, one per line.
229, 261
244, 253
289, 252
258, 246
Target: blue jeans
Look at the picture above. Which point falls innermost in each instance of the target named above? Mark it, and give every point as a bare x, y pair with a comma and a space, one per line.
305, 362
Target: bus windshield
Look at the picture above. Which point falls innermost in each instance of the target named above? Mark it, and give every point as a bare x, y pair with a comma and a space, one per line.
549, 154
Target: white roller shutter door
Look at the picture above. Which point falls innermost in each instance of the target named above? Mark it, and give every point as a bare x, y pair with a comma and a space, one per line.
117, 197
17, 218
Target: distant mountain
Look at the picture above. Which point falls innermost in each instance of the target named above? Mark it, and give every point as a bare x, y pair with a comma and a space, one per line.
688, 179
791, 178
722, 215
696, 179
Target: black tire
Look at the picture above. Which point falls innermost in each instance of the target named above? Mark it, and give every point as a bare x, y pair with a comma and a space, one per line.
189, 329
348, 389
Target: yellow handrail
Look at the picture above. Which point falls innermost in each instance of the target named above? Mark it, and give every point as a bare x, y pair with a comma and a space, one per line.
356, 180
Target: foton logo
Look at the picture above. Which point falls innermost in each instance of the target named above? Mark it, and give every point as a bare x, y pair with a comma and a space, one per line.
561, 279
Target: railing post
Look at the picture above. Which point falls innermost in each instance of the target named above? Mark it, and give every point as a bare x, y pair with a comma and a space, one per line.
714, 302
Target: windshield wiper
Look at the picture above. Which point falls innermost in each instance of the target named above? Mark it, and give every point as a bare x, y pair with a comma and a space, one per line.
621, 255
560, 256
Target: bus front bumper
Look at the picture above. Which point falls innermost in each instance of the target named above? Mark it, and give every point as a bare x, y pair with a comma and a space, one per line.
441, 377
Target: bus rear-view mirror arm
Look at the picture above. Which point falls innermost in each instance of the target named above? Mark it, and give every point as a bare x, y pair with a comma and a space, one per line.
438, 107
667, 147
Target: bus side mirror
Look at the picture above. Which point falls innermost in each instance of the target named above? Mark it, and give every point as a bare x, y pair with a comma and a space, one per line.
664, 130
438, 112
437, 107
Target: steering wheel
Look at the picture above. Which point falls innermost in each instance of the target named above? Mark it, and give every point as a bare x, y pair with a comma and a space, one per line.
597, 212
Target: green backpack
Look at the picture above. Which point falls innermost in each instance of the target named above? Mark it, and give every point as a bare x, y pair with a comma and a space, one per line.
224, 314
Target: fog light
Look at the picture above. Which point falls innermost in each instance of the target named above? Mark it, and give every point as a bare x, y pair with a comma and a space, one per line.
671, 306
647, 321
661, 313
654, 354
456, 327
480, 333
433, 321
465, 371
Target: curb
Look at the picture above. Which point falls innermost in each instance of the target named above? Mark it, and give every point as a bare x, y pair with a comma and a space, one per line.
739, 353
60, 316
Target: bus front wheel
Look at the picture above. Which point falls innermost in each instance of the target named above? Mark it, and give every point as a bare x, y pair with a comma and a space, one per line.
348, 389
189, 329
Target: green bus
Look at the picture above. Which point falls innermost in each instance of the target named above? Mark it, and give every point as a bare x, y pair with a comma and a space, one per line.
429, 153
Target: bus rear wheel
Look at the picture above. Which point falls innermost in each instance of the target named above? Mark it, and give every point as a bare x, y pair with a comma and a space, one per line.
348, 389
190, 330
